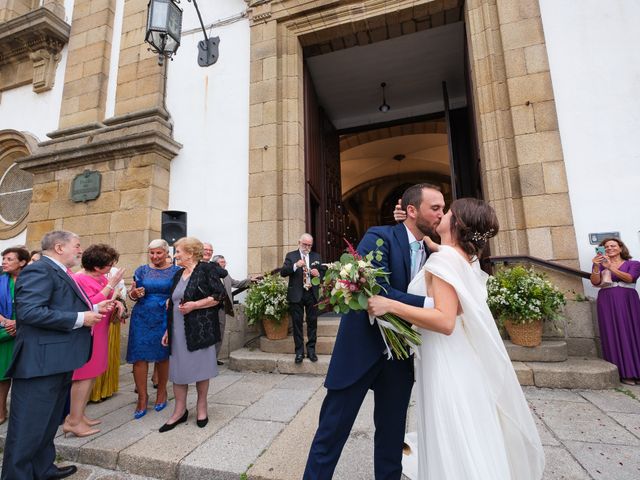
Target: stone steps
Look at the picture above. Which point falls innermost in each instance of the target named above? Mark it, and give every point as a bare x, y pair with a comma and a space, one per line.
548, 351
324, 345
575, 372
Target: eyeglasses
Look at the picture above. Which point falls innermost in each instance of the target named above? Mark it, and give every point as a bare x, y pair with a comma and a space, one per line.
306, 244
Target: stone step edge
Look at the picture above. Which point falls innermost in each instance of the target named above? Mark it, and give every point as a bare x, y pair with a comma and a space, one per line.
539, 374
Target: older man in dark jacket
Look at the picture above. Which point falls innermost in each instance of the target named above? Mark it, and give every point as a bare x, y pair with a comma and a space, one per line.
301, 266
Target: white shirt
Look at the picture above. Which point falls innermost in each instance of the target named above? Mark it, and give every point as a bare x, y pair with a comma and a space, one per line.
80, 319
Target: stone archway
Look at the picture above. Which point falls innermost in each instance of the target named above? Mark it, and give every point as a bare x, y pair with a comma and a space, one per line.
522, 165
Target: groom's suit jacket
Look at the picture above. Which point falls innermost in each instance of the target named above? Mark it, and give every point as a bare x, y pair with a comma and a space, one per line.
359, 344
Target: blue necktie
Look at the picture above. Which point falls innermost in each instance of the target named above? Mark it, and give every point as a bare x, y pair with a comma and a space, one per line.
416, 257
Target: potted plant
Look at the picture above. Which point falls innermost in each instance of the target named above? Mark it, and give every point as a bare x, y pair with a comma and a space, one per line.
266, 302
521, 299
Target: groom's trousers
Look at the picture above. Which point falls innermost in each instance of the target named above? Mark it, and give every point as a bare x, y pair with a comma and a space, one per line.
391, 382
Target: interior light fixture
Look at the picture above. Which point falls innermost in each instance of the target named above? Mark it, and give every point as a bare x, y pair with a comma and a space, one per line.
384, 108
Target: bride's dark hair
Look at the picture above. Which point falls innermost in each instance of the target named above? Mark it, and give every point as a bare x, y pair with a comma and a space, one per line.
473, 222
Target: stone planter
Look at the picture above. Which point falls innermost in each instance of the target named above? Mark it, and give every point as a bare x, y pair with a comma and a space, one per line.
276, 330
525, 334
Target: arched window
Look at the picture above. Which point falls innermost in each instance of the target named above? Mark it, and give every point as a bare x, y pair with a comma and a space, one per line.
16, 185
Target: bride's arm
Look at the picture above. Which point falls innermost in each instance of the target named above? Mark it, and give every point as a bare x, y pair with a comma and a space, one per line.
441, 319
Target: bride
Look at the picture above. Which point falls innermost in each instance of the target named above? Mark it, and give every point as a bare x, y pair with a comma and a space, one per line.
473, 419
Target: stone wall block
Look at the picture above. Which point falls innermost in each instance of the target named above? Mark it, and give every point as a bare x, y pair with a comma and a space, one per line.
88, 224
531, 179
515, 63
264, 183
536, 58
38, 211
530, 89
134, 178
106, 202
540, 244
545, 116
130, 199
254, 260
564, 242
523, 119
522, 34
45, 192
547, 210
555, 177
263, 233
131, 242
130, 220
255, 209
538, 147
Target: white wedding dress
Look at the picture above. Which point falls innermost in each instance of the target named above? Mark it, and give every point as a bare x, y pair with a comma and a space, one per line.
473, 420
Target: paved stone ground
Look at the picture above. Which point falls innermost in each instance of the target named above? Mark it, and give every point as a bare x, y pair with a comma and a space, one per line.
261, 426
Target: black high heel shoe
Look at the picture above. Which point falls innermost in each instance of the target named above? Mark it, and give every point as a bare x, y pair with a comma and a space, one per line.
170, 426
202, 423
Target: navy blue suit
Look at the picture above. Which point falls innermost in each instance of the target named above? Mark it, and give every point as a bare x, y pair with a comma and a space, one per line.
358, 365
46, 351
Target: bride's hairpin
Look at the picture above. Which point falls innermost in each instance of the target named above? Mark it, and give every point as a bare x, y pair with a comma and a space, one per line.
477, 236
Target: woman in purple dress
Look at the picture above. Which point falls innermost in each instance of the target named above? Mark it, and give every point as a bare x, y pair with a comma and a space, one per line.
618, 308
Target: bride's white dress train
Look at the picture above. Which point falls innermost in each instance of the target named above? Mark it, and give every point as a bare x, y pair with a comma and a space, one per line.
473, 420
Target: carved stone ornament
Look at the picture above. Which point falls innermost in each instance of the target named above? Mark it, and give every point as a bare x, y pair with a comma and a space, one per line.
30, 47
260, 10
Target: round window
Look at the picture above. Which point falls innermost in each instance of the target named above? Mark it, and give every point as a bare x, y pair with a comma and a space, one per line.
16, 188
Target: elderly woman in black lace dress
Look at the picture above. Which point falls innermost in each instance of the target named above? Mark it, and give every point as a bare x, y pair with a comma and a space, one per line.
193, 328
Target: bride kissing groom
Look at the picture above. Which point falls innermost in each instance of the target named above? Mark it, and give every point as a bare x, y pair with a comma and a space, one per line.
473, 419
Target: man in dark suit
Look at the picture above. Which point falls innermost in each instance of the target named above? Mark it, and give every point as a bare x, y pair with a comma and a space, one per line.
358, 363
54, 319
301, 266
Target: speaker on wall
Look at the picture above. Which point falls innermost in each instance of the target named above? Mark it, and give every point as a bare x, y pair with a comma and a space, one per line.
174, 225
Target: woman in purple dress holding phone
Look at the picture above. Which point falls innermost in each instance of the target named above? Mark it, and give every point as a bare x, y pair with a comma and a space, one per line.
618, 307
150, 290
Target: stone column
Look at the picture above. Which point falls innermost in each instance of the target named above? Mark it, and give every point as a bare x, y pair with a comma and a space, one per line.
522, 161
87, 72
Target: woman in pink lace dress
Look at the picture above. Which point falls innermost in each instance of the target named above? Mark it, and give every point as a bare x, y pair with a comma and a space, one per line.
97, 261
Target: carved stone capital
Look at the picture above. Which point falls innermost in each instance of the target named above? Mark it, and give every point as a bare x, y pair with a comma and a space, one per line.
259, 10
32, 40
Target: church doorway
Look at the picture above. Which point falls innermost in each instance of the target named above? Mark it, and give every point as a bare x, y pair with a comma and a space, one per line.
385, 106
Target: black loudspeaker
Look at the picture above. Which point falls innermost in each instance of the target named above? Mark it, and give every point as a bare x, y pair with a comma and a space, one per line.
174, 225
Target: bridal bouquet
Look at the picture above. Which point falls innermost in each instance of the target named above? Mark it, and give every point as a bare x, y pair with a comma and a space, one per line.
347, 285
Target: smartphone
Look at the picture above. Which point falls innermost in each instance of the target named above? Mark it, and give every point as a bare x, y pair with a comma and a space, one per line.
599, 250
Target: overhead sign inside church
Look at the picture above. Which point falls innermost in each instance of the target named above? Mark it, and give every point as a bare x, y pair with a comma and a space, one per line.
86, 186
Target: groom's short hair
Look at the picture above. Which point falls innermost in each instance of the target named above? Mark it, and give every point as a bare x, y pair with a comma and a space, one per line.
413, 194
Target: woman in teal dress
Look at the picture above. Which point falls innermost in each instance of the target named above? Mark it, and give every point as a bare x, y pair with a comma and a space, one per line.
14, 259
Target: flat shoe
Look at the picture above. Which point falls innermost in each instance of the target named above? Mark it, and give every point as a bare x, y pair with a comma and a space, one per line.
170, 426
202, 423
627, 381
158, 407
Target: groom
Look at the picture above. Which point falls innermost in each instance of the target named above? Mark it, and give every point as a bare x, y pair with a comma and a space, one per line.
358, 362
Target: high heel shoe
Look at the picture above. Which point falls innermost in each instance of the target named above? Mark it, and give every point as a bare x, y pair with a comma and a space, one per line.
91, 422
170, 426
158, 407
138, 414
202, 423
67, 429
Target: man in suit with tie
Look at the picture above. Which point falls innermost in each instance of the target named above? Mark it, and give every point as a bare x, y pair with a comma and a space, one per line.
359, 363
54, 319
301, 266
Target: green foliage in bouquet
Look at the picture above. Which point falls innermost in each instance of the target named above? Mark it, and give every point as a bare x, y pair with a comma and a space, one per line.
348, 284
267, 298
522, 295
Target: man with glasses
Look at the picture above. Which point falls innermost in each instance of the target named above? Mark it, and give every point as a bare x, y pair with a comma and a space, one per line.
301, 266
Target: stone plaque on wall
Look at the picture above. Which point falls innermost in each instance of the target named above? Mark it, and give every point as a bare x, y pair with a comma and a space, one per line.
86, 186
